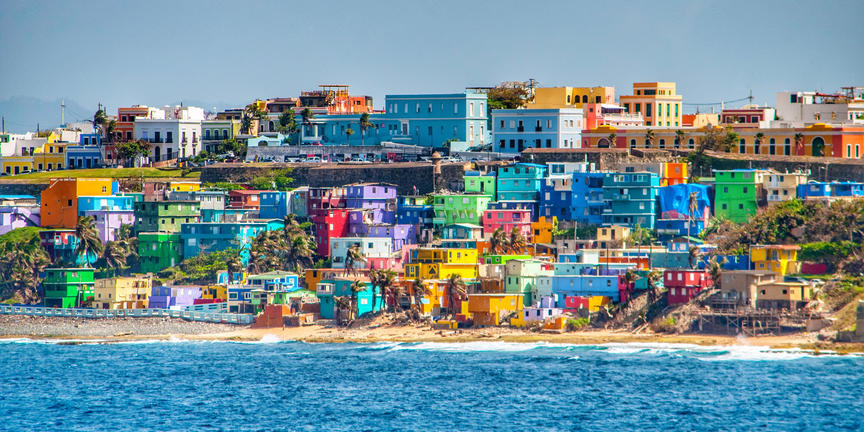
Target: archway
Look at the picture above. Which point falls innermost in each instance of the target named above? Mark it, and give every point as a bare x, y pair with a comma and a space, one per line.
817, 146
603, 143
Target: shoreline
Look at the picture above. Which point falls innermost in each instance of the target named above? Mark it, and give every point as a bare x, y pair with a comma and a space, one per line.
401, 333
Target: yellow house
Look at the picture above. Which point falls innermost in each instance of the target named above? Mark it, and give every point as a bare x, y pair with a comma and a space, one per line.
51, 156
541, 230
440, 270
781, 187
216, 291
490, 309
656, 101
122, 292
570, 97
184, 186
780, 259
611, 235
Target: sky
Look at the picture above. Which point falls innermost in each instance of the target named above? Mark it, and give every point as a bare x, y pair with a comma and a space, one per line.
225, 54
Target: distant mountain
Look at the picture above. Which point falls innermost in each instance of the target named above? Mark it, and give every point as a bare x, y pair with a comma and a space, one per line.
22, 113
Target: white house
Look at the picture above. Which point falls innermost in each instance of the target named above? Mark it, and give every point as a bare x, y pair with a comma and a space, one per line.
177, 135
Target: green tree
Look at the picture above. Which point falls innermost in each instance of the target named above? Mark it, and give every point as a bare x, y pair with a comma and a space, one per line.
612, 137
348, 133
365, 124
649, 138
114, 255
89, 244
131, 150
679, 138
288, 122
498, 242
352, 256
22, 260
508, 95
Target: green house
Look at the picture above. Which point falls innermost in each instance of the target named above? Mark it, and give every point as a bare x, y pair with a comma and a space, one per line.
502, 259
736, 193
159, 250
67, 287
153, 216
480, 184
459, 208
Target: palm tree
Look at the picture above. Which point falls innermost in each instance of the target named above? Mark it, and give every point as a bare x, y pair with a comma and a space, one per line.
352, 256
356, 288
649, 138
799, 143
611, 139
20, 267
456, 292
693, 255
115, 254
288, 122
348, 133
234, 265
498, 242
757, 141
384, 280
679, 136
419, 290
654, 278
517, 241
89, 245
365, 124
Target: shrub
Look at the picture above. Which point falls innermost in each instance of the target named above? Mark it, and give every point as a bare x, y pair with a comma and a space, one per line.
577, 323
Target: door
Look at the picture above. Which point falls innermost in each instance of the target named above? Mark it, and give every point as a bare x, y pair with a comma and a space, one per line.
817, 146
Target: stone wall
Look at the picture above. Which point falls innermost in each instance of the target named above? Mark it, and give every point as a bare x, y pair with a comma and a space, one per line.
22, 188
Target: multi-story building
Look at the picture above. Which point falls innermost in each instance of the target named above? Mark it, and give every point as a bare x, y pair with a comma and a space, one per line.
684, 284
780, 259
18, 211
801, 108
459, 208
159, 250
214, 132
209, 199
322, 199
67, 287
570, 97
244, 199
675, 212
274, 205
372, 249
165, 216
207, 237
87, 154
480, 183
109, 213
556, 197
781, 187
631, 199
599, 114
175, 136
657, 102
514, 130
60, 245
59, 202
736, 193
520, 182
371, 196
130, 292
587, 198
521, 277
367, 300
329, 224
431, 120
507, 221
414, 210
750, 116
438, 263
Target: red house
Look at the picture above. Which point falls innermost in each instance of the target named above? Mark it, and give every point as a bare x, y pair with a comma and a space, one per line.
684, 284
322, 199
328, 224
244, 199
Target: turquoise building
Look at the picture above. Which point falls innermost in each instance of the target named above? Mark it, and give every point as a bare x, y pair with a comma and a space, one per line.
329, 289
520, 182
206, 237
631, 199
431, 120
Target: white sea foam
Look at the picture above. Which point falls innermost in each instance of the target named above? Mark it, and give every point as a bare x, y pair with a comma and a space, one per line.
468, 346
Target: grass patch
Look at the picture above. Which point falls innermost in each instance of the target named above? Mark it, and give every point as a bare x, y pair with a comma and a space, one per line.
846, 317
115, 173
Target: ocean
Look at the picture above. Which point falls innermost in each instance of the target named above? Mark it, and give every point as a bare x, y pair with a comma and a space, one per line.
269, 385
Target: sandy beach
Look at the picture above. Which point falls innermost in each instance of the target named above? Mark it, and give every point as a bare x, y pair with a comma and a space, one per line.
165, 329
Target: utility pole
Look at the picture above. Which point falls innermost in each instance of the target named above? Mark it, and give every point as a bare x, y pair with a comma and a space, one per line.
750, 97
4, 123
62, 112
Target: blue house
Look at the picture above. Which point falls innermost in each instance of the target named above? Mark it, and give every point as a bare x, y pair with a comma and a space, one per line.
431, 120
328, 290
274, 205
87, 154
413, 210
520, 182
205, 237
588, 203
579, 285
514, 130
107, 202
631, 199
274, 281
814, 189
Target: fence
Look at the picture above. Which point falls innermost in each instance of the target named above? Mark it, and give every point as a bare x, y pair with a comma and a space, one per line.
198, 316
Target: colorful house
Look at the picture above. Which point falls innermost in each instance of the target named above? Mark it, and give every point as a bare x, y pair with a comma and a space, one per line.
780, 259
67, 287
414, 210
780, 187
173, 297
436, 263
59, 202
675, 218
274, 205
244, 199
631, 199
431, 120
492, 309
459, 208
167, 216
588, 204
206, 237
521, 277
479, 183
514, 130
541, 231
372, 249
736, 193
657, 102
329, 224
328, 290
60, 244
556, 197
159, 250
131, 292
507, 220
371, 196
611, 286
684, 284
520, 182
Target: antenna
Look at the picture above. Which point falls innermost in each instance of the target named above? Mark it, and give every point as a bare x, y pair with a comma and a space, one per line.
750, 97
62, 112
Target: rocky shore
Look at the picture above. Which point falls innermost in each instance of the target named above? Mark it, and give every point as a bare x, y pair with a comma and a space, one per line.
16, 325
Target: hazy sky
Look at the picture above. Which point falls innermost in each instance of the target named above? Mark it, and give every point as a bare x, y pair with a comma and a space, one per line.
228, 53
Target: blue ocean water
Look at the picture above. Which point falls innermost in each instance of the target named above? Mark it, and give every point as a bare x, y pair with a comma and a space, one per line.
184, 385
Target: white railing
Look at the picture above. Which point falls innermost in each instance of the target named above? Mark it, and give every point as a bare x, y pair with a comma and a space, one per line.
188, 315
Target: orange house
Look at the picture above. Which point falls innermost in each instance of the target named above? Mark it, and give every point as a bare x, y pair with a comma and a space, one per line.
59, 208
245, 199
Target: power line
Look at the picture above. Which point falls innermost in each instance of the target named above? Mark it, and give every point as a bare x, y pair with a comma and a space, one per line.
718, 103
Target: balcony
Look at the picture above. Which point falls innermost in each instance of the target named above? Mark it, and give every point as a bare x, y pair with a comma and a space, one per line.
520, 129
538, 129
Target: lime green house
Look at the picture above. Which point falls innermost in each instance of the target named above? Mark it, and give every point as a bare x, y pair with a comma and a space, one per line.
159, 250
736, 193
459, 208
477, 183
67, 287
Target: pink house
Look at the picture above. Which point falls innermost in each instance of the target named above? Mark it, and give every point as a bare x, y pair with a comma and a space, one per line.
685, 284
507, 219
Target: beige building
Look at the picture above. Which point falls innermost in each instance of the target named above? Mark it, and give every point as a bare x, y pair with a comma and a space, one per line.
613, 235
570, 97
122, 292
658, 103
762, 289
781, 187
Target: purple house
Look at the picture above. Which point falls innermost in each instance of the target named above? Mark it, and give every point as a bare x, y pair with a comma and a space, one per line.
401, 235
371, 196
164, 297
109, 221
357, 218
20, 216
